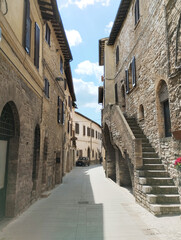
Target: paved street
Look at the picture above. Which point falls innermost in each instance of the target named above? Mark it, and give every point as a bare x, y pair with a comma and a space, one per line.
87, 206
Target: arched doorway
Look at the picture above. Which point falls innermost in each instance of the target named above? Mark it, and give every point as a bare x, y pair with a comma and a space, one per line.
9, 144
110, 154
164, 121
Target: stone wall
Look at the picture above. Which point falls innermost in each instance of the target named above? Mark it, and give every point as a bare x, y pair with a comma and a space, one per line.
153, 43
13, 88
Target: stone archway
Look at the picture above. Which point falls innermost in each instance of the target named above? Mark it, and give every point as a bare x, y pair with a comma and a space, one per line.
9, 147
110, 154
123, 175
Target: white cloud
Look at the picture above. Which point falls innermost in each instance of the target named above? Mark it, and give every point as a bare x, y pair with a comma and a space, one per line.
83, 3
85, 87
74, 37
93, 105
89, 68
109, 27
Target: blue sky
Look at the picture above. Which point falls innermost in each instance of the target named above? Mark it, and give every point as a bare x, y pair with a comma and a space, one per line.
85, 22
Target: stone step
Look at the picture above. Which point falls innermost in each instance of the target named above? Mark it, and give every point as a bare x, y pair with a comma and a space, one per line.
163, 198
167, 209
151, 160
139, 135
160, 189
136, 131
148, 149
153, 167
156, 181
149, 155
145, 141
153, 173
146, 144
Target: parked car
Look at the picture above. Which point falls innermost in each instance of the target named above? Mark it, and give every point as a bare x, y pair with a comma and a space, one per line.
83, 161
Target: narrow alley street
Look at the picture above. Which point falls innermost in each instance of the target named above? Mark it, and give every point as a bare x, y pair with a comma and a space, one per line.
88, 206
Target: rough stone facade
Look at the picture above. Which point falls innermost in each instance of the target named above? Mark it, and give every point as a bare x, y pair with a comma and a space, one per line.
33, 108
154, 44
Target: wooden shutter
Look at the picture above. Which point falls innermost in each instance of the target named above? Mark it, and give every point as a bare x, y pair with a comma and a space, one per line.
127, 81
100, 94
133, 65
37, 45
27, 27
137, 11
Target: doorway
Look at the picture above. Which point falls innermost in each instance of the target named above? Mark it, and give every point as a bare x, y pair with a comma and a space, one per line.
9, 144
3, 175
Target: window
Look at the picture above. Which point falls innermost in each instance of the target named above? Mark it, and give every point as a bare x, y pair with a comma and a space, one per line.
27, 40
63, 113
137, 11
65, 84
71, 129
68, 126
116, 93
117, 55
61, 65
37, 45
141, 112
88, 131
92, 132
93, 153
83, 130
131, 76
96, 134
58, 110
47, 86
77, 128
47, 34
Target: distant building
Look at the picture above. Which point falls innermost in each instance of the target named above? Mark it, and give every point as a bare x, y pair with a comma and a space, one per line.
89, 138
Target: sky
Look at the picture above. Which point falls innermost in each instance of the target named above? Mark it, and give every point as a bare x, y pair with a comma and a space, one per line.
85, 22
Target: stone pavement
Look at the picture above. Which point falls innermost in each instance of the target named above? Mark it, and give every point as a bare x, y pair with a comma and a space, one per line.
88, 206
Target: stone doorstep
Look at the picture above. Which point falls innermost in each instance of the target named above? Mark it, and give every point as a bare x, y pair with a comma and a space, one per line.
163, 198
45, 194
167, 209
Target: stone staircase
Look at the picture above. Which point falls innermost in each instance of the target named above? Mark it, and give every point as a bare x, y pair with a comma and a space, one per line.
154, 188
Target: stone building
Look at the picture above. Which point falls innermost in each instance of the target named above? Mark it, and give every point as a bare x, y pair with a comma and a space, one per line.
142, 103
34, 69
88, 138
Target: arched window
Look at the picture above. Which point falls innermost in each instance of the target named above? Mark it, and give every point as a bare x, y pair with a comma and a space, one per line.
141, 112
